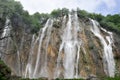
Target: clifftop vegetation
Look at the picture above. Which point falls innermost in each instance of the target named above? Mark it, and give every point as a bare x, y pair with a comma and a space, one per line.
11, 9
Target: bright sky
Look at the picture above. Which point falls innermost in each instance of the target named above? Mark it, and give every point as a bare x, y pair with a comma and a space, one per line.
46, 6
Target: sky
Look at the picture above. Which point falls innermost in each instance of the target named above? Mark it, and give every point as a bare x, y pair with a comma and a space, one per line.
97, 6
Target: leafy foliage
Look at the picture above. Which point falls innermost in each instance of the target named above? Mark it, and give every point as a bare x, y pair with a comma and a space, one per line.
38, 20
14, 11
10, 8
4, 71
59, 12
82, 13
111, 22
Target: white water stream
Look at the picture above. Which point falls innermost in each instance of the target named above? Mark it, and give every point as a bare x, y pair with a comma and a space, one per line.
108, 60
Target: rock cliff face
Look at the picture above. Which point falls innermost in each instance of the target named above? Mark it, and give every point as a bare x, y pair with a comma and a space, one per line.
68, 47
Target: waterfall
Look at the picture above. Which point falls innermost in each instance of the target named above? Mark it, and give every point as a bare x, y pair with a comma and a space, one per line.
65, 47
108, 60
6, 35
19, 50
69, 51
44, 72
59, 66
29, 68
34, 72
77, 43
71, 48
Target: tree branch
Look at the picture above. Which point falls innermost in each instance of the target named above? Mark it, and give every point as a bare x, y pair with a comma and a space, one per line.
4, 37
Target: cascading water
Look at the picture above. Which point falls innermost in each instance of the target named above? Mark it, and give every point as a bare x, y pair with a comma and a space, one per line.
29, 67
58, 67
108, 60
44, 72
77, 42
5, 34
36, 73
20, 48
71, 47
64, 48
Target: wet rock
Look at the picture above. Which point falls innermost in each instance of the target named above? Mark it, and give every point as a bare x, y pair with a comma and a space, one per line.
92, 77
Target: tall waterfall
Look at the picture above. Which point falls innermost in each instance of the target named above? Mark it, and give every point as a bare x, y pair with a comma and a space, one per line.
66, 47
44, 69
108, 60
36, 72
29, 68
58, 65
5, 42
71, 47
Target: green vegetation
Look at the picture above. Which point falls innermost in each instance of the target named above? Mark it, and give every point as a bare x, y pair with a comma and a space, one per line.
111, 22
12, 9
109, 78
59, 12
9, 7
4, 71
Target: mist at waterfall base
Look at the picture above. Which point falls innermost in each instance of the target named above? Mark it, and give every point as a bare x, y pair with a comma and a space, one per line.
60, 57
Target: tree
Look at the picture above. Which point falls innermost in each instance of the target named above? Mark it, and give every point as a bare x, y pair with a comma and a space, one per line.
65, 11
56, 13
82, 13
